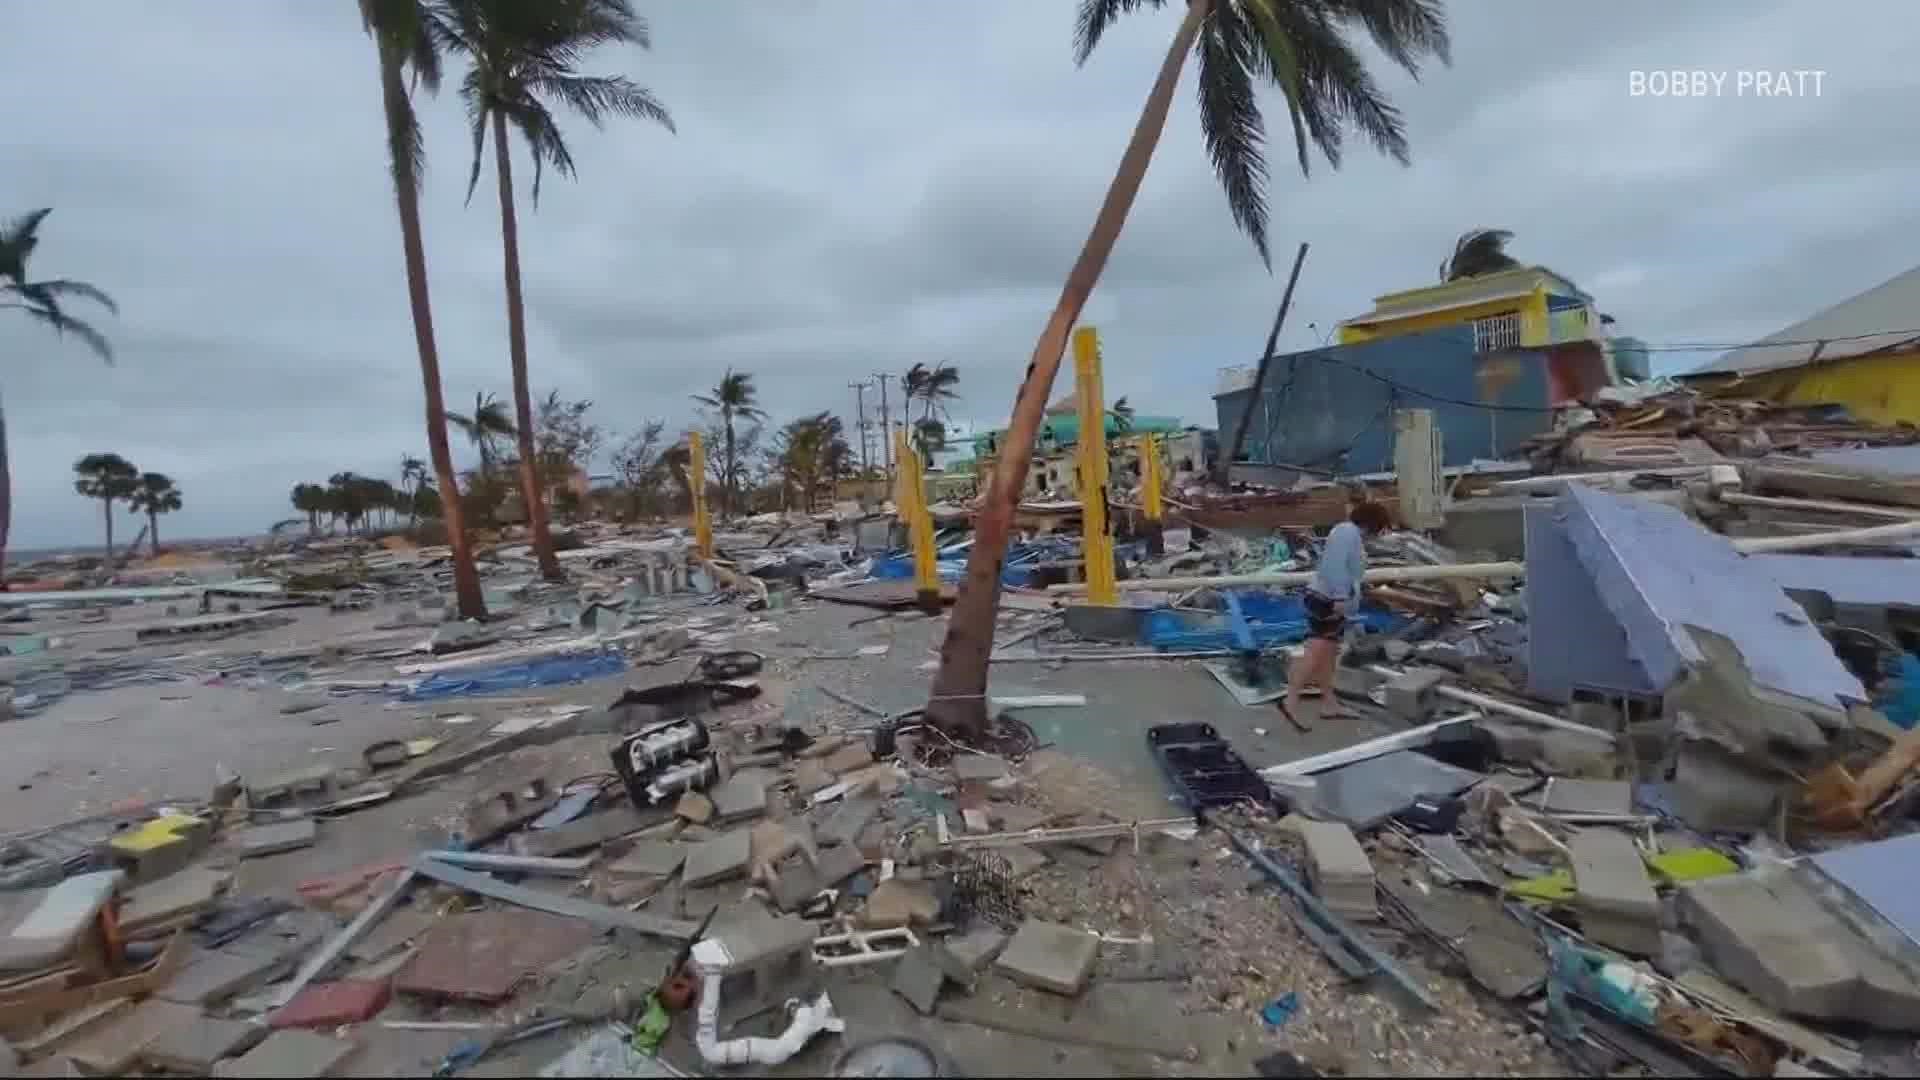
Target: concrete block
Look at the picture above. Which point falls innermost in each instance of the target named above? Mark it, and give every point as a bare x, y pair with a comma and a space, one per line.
111, 1048
648, 858
1410, 694
582, 833
289, 1054
917, 977
1049, 956
899, 903
1338, 868
976, 948
722, 857
981, 767
836, 864
848, 758
843, 826
40, 928
1613, 893
976, 820
160, 846
194, 1047
743, 796
173, 897
212, 976
1713, 791
793, 882
259, 840
1767, 934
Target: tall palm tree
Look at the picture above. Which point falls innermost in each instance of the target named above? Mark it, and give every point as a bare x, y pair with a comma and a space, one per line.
932, 386
106, 477
405, 35
736, 399
524, 58
311, 500
484, 427
1478, 251
42, 301
413, 472
1304, 49
156, 495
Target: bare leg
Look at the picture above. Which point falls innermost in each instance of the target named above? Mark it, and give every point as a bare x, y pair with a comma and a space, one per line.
1315, 667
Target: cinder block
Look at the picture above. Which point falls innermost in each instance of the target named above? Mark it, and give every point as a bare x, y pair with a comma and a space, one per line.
1613, 893
1410, 694
260, 840
1338, 868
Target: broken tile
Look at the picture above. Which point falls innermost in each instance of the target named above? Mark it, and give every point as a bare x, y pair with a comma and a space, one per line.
648, 858
717, 859
289, 1054
259, 840
741, 797
484, 955
333, 1004
917, 977
1049, 956
112, 1047
194, 1047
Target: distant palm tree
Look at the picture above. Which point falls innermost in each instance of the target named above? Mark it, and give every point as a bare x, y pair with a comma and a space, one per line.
929, 438
524, 58
484, 427
406, 35
156, 495
1303, 48
736, 398
413, 472
933, 387
106, 477
1122, 414
311, 500
42, 301
1477, 252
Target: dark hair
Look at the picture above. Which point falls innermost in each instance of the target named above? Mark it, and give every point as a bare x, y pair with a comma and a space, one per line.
1370, 516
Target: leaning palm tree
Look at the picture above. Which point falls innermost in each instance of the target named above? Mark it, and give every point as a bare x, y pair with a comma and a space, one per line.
406, 34
43, 302
736, 399
524, 58
1477, 252
106, 477
1306, 50
932, 386
156, 495
484, 427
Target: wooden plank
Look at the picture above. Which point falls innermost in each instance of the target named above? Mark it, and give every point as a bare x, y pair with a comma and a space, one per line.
26, 1012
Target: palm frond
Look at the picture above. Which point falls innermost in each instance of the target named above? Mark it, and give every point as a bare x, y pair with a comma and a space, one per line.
543, 137
1231, 123
18, 238
597, 96
1406, 30
473, 95
49, 292
1094, 19
63, 324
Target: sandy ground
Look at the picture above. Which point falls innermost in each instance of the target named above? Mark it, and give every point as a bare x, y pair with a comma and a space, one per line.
93, 749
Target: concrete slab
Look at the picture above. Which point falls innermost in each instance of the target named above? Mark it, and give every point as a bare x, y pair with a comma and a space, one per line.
578, 835
648, 858
1410, 695
722, 857
844, 824
743, 796
895, 902
976, 948
289, 1054
172, 897
982, 767
917, 978
260, 840
836, 864
1570, 795
194, 1047
1612, 892
212, 976
484, 955
112, 1047
1049, 956
39, 928
793, 882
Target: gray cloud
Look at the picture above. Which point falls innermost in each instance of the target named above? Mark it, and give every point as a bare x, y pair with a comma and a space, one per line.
855, 186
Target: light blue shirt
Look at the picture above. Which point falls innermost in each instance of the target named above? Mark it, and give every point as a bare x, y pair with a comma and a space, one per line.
1342, 562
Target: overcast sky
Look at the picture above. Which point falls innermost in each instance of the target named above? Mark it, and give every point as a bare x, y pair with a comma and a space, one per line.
857, 185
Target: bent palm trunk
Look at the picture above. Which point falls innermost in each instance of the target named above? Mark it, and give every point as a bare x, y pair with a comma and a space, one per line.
6, 499
466, 579
530, 488
959, 701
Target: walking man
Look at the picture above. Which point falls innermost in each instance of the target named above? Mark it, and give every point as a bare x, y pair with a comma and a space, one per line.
1333, 594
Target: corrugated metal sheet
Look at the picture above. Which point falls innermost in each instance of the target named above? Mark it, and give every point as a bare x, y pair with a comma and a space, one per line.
1332, 409
1889, 312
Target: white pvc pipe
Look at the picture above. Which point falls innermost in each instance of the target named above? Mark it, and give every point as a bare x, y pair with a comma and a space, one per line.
1871, 535
1890, 513
809, 1019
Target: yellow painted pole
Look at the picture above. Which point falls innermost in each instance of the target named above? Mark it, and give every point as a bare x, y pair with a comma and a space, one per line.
1097, 546
697, 482
911, 497
1151, 496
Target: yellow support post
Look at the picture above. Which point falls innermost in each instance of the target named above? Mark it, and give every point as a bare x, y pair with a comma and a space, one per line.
1151, 499
911, 496
697, 484
1097, 546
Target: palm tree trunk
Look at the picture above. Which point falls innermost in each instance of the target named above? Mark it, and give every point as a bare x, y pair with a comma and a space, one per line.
466, 579
6, 499
959, 702
153, 533
733, 481
108, 503
517, 349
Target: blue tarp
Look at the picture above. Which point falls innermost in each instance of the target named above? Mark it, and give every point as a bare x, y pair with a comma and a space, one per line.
1273, 619
549, 671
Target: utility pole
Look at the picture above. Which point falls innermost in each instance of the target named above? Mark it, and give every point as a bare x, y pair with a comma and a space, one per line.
860, 405
1224, 469
886, 422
